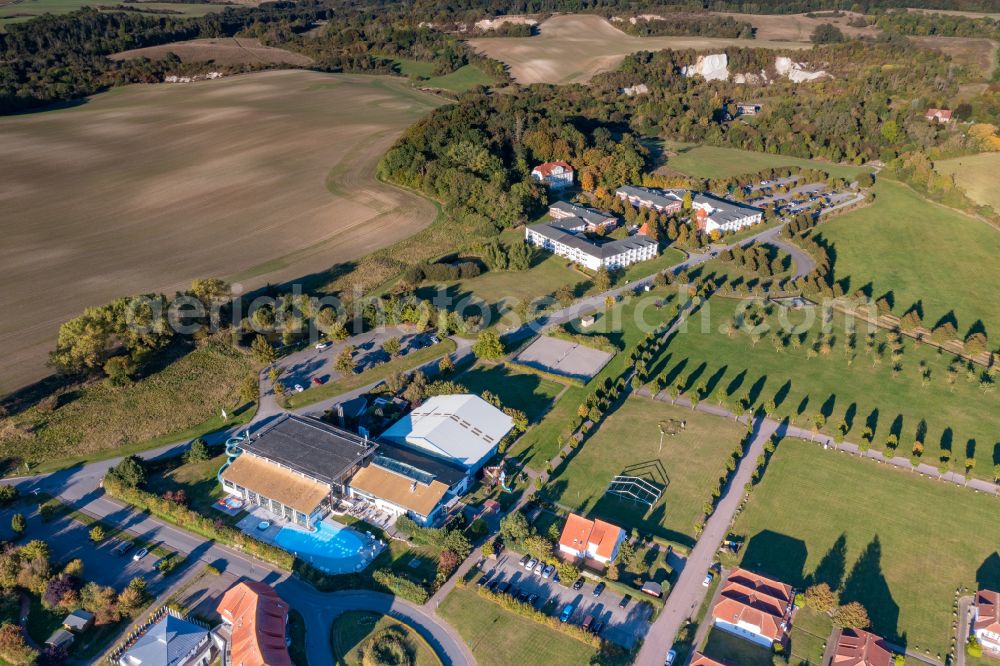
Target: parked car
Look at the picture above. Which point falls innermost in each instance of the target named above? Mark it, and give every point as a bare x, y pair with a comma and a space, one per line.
532, 599
708, 579
670, 658
498, 546
566, 613
597, 627
298, 388
122, 548
492, 585
624, 602
599, 588
319, 381
523, 595
503, 587
539, 567
547, 571
578, 584
139, 554
525, 560
587, 622
485, 578
320, 346
530, 566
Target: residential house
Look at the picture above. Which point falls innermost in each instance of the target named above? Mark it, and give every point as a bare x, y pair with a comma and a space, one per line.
171, 641
856, 647
712, 213
593, 219
938, 115
753, 607
664, 201
295, 468
698, 659
78, 621
748, 108
254, 624
590, 540
986, 621
565, 238
60, 638
557, 175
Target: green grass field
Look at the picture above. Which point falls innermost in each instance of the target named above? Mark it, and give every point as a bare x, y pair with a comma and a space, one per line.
714, 162
725, 646
976, 175
541, 443
628, 442
180, 402
462, 79
25, 10
920, 252
353, 629
521, 390
898, 543
498, 637
959, 417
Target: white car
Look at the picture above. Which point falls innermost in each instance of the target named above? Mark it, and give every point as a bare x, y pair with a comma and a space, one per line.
320, 346
298, 388
540, 567
530, 566
139, 554
670, 658
708, 579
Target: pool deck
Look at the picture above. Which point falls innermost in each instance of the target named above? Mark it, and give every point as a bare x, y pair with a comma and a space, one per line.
370, 549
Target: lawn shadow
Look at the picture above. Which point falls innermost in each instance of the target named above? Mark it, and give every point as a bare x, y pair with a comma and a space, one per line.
867, 585
833, 566
777, 555
988, 573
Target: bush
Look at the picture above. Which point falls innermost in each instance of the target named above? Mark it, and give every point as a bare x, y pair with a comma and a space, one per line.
387, 648
527, 611
401, 587
7, 494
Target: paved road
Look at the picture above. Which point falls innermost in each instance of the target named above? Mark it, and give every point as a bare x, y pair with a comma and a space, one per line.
688, 592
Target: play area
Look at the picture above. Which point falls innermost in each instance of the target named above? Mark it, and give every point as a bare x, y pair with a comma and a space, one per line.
561, 357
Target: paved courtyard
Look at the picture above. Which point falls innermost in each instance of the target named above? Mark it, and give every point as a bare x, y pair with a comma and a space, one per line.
561, 357
621, 625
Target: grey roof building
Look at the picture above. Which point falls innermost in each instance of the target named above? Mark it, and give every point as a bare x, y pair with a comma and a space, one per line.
79, 620
590, 253
171, 642
714, 212
590, 217
666, 201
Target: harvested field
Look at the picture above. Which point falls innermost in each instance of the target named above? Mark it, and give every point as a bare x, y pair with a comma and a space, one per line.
574, 47
258, 178
222, 51
797, 27
978, 55
976, 175
957, 12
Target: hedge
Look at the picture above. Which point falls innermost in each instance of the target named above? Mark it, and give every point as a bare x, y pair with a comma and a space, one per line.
401, 587
193, 521
524, 610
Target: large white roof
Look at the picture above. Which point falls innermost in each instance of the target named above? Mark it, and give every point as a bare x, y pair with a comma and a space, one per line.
463, 427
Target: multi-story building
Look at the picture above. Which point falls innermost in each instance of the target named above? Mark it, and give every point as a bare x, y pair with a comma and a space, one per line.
557, 175
753, 607
986, 622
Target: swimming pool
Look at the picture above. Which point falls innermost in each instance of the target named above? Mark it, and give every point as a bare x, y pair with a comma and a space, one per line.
332, 548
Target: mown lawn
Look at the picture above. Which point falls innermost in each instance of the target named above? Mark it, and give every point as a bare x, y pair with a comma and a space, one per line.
521, 390
541, 443
960, 419
179, 402
463, 78
197, 479
499, 638
896, 542
628, 442
724, 646
714, 162
353, 629
920, 252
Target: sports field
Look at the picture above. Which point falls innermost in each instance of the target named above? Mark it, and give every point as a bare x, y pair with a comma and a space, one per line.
628, 442
919, 251
715, 162
258, 178
498, 637
958, 418
15, 11
574, 47
898, 543
976, 175
219, 50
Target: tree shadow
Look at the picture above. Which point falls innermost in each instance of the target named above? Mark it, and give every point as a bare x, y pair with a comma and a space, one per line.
696, 374
866, 584
736, 382
757, 388
782, 394
970, 448
827, 408
871, 422
850, 415
948, 318
777, 555
833, 566
897, 426
714, 380
988, 573
671, 377
947, 438
803, 406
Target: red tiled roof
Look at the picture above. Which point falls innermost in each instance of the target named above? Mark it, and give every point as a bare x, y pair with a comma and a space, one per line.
856, 647
546, 168
757, 601
580, 532
942, 114
698, 659
258, 616
987, 611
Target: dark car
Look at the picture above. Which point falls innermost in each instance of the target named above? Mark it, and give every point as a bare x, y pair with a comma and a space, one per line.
503, 587
624, 602
493, 584
485, 579
524, 560
523, 595
599, 588
532, 599
497, 546
578, 584
597, 627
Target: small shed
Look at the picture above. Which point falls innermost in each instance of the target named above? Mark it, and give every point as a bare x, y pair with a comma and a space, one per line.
652, 589
61, 638
79, 621
587, 321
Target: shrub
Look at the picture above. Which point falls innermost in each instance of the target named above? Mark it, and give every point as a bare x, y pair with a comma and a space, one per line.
7, 494
13, 648
401, 587
524, 610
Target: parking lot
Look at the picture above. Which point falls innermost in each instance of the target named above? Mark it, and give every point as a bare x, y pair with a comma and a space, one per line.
619, 625
809, 196
311, 366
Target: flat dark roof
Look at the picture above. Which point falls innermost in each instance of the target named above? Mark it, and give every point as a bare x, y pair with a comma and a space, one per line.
436, 467
311, 447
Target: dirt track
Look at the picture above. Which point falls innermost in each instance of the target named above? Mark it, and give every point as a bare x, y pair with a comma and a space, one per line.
263, 177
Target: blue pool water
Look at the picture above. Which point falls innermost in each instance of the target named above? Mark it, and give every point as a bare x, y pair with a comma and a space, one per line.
332, 548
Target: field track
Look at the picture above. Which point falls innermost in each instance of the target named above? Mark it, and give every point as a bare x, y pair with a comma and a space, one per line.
262, 178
